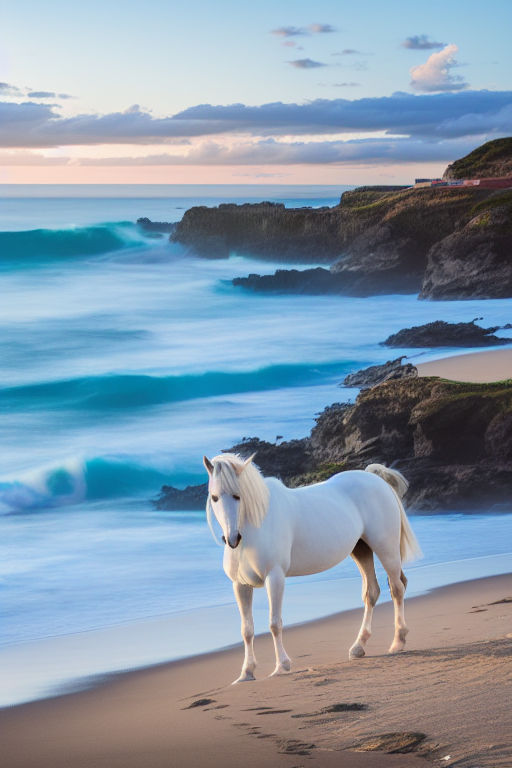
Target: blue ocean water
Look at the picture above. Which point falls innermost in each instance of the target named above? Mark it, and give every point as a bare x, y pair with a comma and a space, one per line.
124, 359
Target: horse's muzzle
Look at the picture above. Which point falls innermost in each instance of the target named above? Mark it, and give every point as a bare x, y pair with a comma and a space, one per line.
233, 546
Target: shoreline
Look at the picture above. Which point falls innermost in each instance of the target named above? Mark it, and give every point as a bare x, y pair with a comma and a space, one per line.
138, 705
44, 668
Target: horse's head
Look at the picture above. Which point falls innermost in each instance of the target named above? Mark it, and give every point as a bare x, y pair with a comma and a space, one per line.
236, 494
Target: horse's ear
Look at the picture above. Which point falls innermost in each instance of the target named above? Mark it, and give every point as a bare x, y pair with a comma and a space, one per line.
249, 460
208, 465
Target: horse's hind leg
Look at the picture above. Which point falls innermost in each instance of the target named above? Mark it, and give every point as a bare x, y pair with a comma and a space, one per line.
363, 557
243, 594
275, 590
397, 584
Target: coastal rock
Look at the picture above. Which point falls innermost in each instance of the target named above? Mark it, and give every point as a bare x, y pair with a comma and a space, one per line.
453, 441
476, 260
308, 281
442, 334
283, 460
376, 374
155, 226
267, 230
191, 497
448, 242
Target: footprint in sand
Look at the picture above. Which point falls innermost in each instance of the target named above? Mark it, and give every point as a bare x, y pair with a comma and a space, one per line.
200, 703
335, 708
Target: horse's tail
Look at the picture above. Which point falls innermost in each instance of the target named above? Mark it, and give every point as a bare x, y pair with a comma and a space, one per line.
409, 546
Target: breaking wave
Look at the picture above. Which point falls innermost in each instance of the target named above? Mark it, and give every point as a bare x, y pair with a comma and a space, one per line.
43, 244
123, 391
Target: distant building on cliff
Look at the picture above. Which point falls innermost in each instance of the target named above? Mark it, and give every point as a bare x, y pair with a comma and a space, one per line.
491, 183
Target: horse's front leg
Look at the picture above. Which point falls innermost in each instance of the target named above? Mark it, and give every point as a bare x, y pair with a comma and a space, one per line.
275, 590
243, 594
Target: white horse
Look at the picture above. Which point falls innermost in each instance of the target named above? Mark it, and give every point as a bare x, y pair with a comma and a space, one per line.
271, 531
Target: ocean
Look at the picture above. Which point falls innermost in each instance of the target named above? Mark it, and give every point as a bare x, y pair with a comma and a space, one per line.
124, 359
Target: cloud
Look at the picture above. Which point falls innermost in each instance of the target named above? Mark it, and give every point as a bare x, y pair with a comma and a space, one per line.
6, 89
47, 95
272, 152
435, 74
345, 85
30, 158
321, 29
430, 116
421, 43
289, 31
306, 64
349, 52
313, 29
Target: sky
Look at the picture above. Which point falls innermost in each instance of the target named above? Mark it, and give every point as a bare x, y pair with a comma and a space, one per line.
285, 92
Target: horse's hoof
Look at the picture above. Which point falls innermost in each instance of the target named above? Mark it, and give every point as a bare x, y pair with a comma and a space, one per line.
356, 652
246, 677
396, 648
282, 669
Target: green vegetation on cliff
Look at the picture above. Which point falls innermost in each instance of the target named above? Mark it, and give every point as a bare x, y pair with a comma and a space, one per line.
494, 158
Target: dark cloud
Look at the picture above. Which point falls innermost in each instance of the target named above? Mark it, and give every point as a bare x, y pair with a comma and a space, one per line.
306, 64
427, 116
421, 43
289, 31
41, 95
47, 95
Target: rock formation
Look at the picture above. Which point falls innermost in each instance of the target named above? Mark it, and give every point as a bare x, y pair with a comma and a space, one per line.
447, 242
474, 261
453, 442
376, 374
441, 334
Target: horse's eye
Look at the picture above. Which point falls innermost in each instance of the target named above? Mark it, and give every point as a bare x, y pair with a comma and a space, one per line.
215, 498
237, 498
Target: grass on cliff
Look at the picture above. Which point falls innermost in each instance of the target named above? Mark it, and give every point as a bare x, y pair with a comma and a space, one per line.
457, 391
501, 199
483, 160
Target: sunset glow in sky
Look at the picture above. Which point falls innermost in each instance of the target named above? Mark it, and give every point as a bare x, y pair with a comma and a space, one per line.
230, 92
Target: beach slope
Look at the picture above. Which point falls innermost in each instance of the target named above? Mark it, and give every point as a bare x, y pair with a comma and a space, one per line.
445, 701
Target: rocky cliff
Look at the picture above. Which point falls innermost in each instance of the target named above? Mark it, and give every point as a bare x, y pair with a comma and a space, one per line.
441, 242
453, 442
267, 230
474, 261
492, 159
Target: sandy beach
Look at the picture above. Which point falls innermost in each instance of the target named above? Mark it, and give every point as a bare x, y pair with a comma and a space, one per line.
482, 366
446, 699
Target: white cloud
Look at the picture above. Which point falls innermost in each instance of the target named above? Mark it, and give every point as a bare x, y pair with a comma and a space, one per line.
272, 152
435, 74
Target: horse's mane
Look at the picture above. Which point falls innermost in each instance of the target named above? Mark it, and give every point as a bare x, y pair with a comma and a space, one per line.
244, 479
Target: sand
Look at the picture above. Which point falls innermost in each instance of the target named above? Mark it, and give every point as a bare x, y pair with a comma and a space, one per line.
445, 701
483, 366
